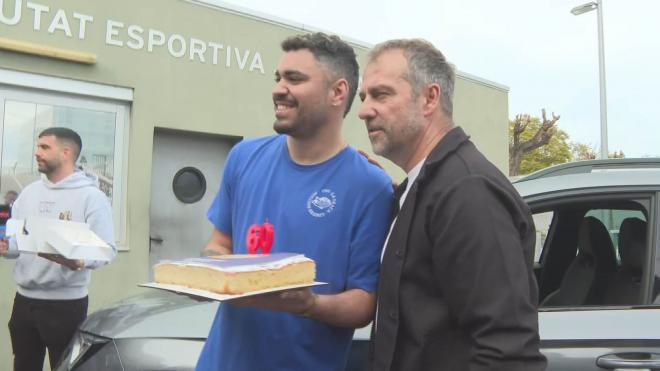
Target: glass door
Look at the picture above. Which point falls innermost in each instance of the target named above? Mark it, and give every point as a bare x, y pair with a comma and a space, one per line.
100, 124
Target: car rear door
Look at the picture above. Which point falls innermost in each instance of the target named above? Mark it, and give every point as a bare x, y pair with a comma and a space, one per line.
615, 331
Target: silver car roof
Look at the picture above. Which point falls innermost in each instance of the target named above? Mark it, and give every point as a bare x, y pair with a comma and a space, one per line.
623, 179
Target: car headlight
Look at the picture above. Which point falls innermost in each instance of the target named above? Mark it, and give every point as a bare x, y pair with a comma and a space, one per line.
82, 346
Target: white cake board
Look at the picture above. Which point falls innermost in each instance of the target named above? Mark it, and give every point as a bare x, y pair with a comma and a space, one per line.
223, 297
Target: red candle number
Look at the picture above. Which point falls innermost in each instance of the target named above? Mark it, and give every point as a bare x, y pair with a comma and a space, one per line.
260, 237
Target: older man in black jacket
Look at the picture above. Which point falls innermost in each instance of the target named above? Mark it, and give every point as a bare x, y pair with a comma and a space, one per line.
457, 290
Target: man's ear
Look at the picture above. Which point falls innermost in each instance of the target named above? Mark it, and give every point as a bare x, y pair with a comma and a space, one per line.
67, 151
338, 92
432, 98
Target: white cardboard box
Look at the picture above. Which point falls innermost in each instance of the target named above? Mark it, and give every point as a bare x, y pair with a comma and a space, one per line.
73, 240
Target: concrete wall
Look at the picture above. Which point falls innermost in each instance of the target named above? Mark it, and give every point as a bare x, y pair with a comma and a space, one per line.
186, 94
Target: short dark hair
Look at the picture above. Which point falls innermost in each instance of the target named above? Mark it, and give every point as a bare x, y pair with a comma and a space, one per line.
334, 54
426, 65
65, 135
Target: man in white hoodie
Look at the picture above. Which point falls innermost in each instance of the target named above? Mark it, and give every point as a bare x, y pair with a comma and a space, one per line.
51, 298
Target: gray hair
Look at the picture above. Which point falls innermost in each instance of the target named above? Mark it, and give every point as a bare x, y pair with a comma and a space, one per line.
426, 65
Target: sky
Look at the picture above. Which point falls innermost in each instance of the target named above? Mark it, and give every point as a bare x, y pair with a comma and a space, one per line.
545, 55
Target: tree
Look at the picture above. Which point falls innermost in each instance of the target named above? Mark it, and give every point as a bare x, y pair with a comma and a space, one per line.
536, 143
581, 151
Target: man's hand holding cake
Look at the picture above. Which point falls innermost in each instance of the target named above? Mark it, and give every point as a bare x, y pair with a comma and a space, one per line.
302, 302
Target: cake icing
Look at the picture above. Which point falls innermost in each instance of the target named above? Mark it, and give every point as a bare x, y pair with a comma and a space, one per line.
243, 263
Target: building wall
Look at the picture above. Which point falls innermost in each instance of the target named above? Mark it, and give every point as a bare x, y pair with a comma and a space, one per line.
185, 94
482, 109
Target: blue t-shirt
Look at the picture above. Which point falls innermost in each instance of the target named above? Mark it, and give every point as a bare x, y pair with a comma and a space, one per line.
335, 212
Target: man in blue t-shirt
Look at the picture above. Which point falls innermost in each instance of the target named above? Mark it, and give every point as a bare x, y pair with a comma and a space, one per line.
323, 199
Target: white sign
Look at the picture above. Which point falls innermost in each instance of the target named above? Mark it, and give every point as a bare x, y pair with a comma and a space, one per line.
136, 37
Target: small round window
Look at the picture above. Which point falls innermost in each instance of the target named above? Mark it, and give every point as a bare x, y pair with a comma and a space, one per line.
189, 185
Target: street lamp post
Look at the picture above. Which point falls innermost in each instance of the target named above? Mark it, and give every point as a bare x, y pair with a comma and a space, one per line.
584, 8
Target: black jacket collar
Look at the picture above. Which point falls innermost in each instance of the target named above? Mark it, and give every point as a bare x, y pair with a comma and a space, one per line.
447, 145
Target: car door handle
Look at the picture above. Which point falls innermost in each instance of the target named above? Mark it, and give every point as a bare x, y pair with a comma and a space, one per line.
629, 360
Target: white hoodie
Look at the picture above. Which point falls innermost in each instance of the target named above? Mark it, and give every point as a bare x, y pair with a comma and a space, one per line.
76, 198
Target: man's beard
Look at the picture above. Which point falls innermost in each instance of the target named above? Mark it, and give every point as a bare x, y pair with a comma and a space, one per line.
282, 129
305, 125
46, 167
392, 142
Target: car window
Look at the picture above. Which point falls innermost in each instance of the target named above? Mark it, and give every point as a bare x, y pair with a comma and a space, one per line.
588, 254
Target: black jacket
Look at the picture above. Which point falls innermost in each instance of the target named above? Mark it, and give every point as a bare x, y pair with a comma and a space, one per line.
457, 290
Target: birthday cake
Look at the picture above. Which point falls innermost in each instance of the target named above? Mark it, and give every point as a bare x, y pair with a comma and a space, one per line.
237, 274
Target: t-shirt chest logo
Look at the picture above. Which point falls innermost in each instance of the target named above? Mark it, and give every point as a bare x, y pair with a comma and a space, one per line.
46, 207
321, 203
